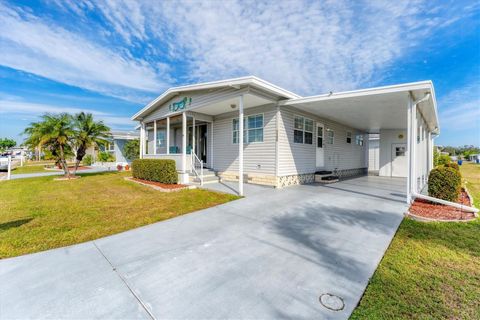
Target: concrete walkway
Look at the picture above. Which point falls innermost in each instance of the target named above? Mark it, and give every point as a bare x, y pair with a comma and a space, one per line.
269, 255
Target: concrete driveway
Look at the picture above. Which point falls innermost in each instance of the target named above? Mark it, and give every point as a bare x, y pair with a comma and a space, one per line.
270, 255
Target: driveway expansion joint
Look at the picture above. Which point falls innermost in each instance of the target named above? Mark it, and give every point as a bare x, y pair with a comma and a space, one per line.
144, 306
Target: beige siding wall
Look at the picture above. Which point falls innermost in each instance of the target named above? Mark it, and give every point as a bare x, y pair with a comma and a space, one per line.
297, 158
259, 157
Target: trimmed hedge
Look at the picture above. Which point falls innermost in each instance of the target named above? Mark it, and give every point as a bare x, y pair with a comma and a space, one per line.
444, 183
442, 160
453, 165
159, 170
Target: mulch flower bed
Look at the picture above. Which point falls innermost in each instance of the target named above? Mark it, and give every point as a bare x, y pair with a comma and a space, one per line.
435, 211
160, 186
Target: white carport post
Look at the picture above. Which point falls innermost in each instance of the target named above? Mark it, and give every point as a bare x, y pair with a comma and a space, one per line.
184, 148
155, 137
430, 153
240, 145
411, 146
168, 135
142, 140
193, 136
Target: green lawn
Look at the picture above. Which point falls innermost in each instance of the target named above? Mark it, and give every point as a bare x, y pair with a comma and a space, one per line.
39, 213
430, 271
29, 169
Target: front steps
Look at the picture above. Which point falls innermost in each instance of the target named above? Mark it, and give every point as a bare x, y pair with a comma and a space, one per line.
209, 176
325, 177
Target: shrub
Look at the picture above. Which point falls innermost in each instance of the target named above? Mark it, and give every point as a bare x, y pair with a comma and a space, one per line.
88, 160
104, 156
453, 165
159, 170
444, 183
131, 149
443, 159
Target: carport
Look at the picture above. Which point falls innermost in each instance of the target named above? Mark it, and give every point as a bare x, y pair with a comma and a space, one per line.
404, 115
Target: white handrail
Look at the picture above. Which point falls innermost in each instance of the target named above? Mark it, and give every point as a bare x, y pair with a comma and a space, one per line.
195, 159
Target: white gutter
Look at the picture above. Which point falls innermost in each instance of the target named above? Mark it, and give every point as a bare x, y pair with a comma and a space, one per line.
448, 203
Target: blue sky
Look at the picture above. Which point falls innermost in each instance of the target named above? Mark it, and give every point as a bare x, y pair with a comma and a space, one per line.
112, 57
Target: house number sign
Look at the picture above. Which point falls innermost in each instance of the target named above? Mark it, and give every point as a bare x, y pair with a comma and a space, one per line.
180, 105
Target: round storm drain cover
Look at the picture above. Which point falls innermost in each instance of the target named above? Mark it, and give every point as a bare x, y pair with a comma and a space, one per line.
332, 302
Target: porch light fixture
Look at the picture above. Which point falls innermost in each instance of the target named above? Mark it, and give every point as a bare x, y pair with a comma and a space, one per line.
233, 106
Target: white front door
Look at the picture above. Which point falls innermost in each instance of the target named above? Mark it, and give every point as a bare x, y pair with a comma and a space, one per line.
399, 160
319, 146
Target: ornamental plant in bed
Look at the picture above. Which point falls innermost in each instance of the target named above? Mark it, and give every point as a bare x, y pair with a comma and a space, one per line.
445, 183
159, 170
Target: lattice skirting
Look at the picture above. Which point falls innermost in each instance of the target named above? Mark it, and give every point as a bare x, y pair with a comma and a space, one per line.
295, 179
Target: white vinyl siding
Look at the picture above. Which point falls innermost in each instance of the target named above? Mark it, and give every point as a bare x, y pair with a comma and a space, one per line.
259, 158
296, 158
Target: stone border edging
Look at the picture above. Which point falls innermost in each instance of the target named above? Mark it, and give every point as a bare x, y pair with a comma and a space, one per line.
159, 188
425, 219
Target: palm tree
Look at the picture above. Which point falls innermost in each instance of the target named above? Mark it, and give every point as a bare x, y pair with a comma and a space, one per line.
88, 133
54, 132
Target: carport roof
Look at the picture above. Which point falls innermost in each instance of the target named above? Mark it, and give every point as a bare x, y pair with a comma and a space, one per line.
372, 109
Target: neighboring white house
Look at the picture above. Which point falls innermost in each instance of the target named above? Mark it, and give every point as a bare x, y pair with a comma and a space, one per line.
474, 158
287, 138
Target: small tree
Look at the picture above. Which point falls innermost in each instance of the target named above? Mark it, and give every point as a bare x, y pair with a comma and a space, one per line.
53, 132
131, 149
6, 143
87, 133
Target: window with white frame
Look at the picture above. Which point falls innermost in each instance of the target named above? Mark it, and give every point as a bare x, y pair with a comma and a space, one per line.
252, 129
111, 146
161, 137
330, 136
303, 130
359, 139
349, 137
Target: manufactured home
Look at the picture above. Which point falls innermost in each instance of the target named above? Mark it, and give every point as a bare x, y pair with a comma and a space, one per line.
249, 130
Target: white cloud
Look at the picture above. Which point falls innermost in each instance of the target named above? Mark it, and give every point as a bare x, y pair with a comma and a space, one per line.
460, 109
30, 44
307, 47
17, 107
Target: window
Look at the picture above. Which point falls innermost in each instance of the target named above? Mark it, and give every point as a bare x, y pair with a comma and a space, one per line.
303, 130
349, 137
399, 151
319, 137
359, 139
111, 146
252, 129
161, 137
330, 136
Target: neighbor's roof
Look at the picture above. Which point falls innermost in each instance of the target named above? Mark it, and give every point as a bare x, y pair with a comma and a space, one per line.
125, 134
243, 81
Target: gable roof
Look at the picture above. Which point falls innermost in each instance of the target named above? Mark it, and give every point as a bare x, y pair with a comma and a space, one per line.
235, 82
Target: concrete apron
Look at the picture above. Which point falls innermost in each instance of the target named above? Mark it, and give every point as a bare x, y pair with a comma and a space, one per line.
270, 255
